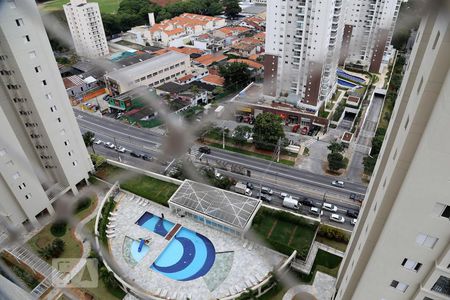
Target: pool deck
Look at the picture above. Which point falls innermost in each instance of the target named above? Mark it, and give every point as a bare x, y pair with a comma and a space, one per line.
248, 266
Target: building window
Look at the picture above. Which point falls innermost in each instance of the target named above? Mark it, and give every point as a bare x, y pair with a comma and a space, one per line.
48, 96
28, 196
12, 3
44, 82
37, 69
426, 240
22, 186
411, 265
26, 38
442, 286
436, 39
9, 163
19, 22
442, 210
66, 143
32, 54
16, 175
75, 163
399, 285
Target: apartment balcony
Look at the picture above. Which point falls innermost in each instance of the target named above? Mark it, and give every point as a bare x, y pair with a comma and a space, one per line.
56, 190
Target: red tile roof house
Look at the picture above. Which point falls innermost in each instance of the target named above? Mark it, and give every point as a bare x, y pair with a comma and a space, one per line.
214, 80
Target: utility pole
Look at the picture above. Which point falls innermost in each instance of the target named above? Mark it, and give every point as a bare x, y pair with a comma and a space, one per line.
278, 149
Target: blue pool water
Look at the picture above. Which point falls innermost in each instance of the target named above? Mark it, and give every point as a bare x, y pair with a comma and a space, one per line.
346, 83
188, 256
346, 75
138, 256
155, 224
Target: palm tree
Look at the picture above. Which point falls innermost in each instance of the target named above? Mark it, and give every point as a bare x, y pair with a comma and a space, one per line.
89, 138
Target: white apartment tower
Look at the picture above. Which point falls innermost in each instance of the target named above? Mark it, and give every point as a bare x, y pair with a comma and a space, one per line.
86, 28
368, 29
303, 39
400, 248
42, 153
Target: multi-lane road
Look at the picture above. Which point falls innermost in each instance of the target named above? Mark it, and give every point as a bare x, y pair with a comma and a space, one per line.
280, 178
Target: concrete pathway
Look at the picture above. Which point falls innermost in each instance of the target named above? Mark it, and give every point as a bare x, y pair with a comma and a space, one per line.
321, 289
305, 267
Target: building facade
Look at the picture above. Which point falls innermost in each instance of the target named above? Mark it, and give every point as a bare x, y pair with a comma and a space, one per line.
42, 153
400, 248
303, 39
368, 29
86, 28
151, 72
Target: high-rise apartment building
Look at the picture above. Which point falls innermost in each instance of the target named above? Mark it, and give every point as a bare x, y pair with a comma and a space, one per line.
303, 39
400, 248
86, 28
368, 29
42, 153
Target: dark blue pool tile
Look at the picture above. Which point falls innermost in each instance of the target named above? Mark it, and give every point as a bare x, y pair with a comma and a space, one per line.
185, 260
209, 260
144, 218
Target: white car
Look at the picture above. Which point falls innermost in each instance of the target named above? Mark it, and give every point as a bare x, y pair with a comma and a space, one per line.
121, 149
284, 195
266, 190
337, 218
353, 221
338, 183
316, 211
329, 207
110, 145
98, 142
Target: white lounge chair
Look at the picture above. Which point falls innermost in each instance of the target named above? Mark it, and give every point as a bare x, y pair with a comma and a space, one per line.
111, 226
113, 213
111, 236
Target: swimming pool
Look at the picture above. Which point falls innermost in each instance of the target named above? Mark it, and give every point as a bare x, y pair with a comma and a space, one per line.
345, 75
188, 256
138, 256
345, 83
155, 224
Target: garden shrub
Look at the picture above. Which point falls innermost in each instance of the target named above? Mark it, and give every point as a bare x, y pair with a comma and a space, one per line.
59, 228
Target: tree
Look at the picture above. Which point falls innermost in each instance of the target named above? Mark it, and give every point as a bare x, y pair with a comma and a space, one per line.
89, 138
241, 134
336, 147
267, 130
369, 164
235, 74
218, 90
335, 161
232, 8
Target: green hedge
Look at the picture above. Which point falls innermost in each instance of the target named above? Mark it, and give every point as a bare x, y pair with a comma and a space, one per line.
333, 233
285, 216
107, 208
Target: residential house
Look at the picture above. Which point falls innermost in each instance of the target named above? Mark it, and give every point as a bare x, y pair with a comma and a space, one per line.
230, 31
169, 32
213, 80
209, 59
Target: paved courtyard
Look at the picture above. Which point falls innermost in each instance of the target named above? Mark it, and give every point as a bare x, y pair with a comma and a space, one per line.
321, 289
235, 267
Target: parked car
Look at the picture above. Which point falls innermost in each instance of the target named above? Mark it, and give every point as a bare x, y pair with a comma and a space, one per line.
110, 145
250, 185
337, 218
353, 221
356, 197
265, 197
329, 207
121, 149
266, 190
98, 142
307, 202
352, 213
284, 195
316, 211
146, 157
134, 154
338, 183
204, 149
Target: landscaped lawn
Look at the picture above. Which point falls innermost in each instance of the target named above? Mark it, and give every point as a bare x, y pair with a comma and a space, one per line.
72, 247
102, 292
250, 153
106, 6
284, 232
153, 189
336, 245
